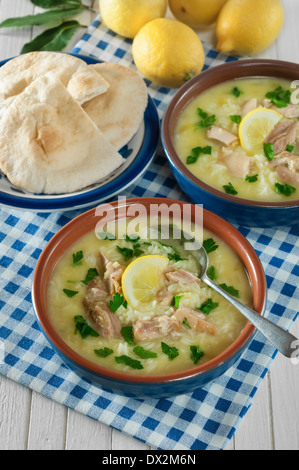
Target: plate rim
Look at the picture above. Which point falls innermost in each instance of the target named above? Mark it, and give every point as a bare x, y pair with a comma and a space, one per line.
141, 162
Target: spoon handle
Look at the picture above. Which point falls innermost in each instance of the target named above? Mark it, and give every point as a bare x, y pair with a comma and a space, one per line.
284, 341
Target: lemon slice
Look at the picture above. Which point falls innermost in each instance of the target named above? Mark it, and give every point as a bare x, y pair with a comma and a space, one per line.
143, 278
255, 127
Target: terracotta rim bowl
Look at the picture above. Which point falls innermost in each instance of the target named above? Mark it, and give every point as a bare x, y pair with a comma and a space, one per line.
204, 81
86, 222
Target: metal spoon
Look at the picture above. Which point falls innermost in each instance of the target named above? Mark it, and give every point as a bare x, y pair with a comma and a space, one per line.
284, 341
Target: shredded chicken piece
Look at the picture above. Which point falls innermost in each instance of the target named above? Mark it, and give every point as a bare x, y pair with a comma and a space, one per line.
107, 323
248, 106
290, 111
196, 320
180, 275
164, 296
286, 159
283, 134
221, 135
158, 327
113, 274
96, 292
288, 176
237, 163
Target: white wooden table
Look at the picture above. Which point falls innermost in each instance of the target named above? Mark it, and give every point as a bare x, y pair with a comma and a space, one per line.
30, 421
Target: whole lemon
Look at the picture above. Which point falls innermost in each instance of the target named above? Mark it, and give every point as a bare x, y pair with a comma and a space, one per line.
168, 52
246, 27
196, 13
126, 17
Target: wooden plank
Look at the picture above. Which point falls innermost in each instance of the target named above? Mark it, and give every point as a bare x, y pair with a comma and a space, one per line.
13, 39
14, 411
47, 429
84, 433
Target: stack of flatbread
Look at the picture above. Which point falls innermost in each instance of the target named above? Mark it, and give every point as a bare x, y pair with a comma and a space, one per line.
63, 122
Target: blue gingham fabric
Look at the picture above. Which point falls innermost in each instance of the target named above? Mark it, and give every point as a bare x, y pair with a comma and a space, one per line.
204, 419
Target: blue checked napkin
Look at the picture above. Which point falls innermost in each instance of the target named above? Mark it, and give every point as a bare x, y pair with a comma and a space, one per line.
204, 419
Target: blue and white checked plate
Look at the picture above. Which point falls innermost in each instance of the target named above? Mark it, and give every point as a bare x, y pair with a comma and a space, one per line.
204, 419
138, 154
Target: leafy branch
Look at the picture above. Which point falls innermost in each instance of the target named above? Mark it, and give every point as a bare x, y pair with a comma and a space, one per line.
59, 14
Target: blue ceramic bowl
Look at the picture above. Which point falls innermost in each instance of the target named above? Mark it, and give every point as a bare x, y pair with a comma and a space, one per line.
234, 209
142, 386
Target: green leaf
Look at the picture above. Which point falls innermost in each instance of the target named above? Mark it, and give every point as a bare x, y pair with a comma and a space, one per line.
117, 301
269, 151
144, 353
41, 18
230, 290
285, 189
176, 301
56, 3
83, 327
196, 353
128, 361
127, 333
54, 39
211, 272
70, 293
77, 257
207, 306
289, 148
196, 152
280, 97
209, 245
171, 352
206, 122
236, 118
103, 352
185, 322
236, 92
91, 273
229, 189
251, 179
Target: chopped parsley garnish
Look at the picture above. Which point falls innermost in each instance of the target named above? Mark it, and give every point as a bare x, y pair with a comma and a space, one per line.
236, 118
129, 253
175, 257
83, 327
127, 333
229, 189
269, 151
117, 301
211, 272
289, 148
251, 179
280, 97
77, 257
176, 301
171, 351
70, 293
206, 120
236, 92
103, 352
144, 353
185, 322
196, 152
209, 245
230, 290
106, 236
91, 273
207, 306
128, 361
285, 189
196, 353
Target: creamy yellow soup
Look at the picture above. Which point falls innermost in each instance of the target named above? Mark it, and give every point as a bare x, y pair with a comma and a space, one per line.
223, 103
226, 268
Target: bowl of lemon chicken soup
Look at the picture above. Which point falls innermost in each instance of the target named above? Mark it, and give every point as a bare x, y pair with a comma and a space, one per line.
231, 136
123, 305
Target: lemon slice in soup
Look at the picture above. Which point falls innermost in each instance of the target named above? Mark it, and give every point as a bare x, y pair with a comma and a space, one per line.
143, 278
255, 127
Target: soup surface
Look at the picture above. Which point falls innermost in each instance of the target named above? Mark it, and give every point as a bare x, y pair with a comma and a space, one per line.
271, 172
178, 323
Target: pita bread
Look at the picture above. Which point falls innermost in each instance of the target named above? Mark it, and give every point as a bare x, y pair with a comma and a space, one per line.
19, 72
86, 84
49, 145
119, 112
